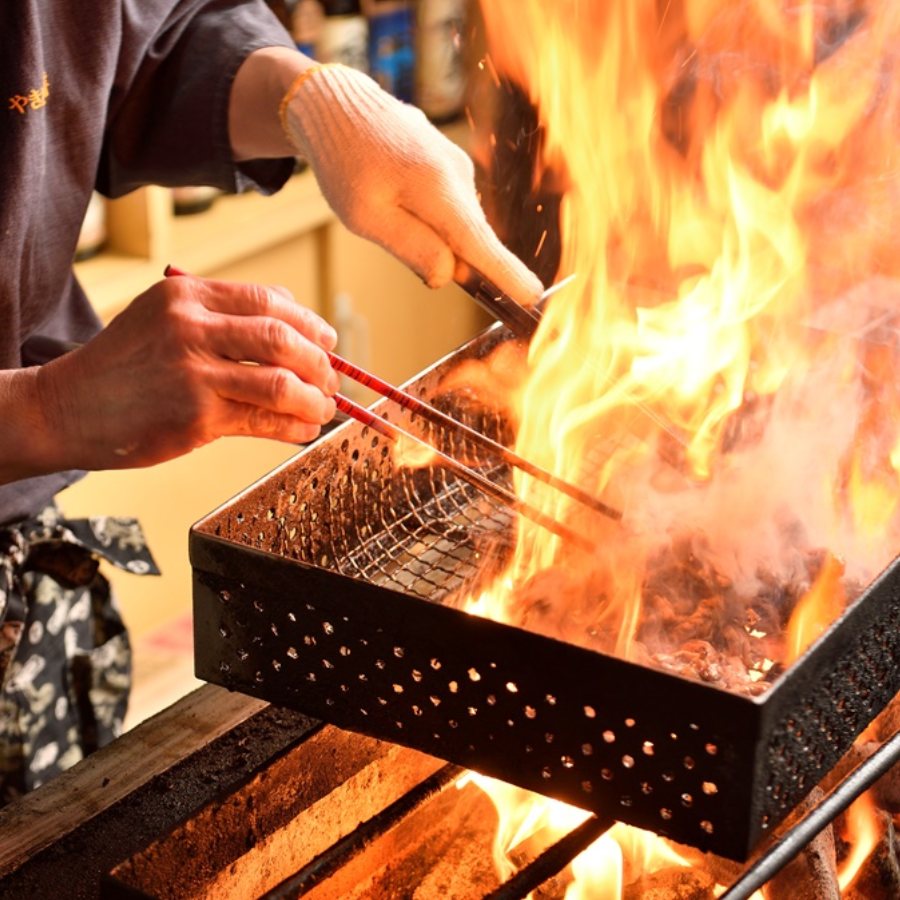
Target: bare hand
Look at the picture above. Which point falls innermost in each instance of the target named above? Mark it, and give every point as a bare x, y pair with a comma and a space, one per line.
186, 362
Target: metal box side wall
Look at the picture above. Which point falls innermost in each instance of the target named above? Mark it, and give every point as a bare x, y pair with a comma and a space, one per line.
827, 698
665, 754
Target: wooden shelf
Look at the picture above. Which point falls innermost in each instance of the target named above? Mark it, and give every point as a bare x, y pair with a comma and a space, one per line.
240, 226
145, 235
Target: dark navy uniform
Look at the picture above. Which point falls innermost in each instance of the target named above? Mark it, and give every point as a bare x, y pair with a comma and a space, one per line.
109, 96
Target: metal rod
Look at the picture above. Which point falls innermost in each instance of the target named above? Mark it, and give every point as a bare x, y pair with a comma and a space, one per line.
420, 407
794, 840
498, 492
553, 289
553, 860
347, 848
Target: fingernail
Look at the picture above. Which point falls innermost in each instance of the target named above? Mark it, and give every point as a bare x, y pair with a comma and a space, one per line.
327, 336
332, 383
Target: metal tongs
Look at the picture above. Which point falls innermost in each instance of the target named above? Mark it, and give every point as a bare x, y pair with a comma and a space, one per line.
521, 320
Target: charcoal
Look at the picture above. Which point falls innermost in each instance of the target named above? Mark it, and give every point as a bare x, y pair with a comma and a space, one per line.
888, 722
811, 874
887, 791
857, 754
674, 883
701, 660
879, 877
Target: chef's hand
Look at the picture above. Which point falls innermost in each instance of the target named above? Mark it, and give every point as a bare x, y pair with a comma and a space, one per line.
392, 177
188, 361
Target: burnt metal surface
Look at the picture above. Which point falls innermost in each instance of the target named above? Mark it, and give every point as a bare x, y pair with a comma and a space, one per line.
320, 588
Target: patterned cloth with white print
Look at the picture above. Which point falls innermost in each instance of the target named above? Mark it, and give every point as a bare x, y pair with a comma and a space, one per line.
65, 658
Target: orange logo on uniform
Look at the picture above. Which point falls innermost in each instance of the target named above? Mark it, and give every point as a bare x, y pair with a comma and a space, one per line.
34, 99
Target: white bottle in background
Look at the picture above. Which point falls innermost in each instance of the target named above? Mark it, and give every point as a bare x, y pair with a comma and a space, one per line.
344, 35
440, 67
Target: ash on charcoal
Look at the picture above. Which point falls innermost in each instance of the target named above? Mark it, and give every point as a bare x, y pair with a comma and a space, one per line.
697, 624
687, 597
695, 621
701, 661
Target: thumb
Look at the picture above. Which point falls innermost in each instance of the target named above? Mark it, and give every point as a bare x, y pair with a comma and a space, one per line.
415, 244
478, 245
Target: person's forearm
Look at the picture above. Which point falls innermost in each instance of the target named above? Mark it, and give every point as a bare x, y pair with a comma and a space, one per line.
253, 120
24, 439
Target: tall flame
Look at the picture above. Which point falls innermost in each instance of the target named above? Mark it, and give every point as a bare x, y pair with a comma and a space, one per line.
724, 366
817, 609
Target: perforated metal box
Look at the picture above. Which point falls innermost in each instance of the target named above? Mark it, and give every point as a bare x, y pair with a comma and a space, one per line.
321, 588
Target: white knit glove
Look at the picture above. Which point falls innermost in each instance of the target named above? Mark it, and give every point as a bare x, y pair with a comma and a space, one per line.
392, 177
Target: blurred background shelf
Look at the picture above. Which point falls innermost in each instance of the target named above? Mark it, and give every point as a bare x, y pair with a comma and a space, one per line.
145, 234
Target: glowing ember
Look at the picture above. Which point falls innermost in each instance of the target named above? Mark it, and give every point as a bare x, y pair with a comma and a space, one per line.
723, 368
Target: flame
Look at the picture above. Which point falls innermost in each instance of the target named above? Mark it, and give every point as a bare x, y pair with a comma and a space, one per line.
818, 608
724, 366
413, 454
862, 826
601, 867
521, 818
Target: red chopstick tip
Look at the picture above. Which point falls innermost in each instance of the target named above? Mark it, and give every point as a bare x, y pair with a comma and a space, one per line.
171, 271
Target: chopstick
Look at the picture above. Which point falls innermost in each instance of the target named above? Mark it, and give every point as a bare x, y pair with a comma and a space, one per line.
420, 407
395, 433
498, 492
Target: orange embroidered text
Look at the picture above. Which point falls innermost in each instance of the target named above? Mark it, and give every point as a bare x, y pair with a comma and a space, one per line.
34, 99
